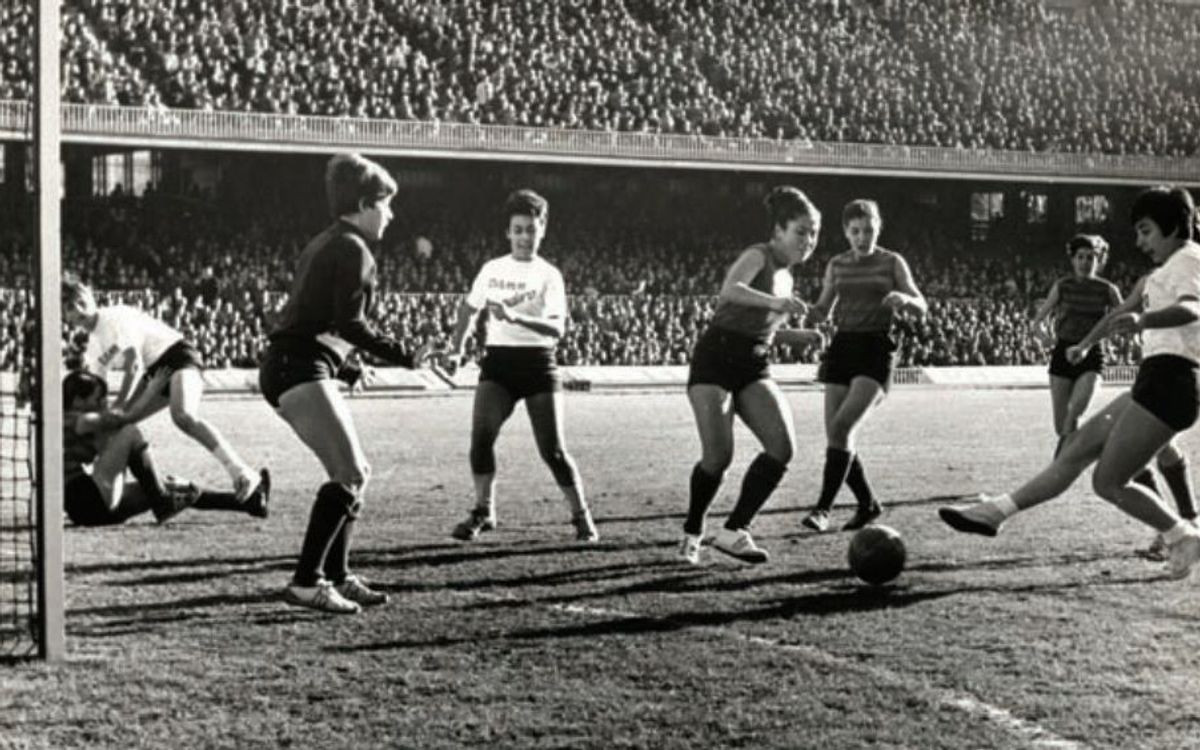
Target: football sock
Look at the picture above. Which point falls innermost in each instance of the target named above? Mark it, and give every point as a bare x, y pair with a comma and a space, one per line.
837, 463
331, 508
704, 488
856, 480
1004, 505
219, 501
1178, 477
337, 561
761, 479
141, 465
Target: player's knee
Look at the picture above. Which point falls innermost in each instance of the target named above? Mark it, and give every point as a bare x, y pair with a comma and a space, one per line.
1106, 485
341, 496
562, 466
185, 420
483, 459
716, 461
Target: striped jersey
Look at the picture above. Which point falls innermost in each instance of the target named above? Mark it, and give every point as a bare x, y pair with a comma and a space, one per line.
1082, 302
860, 283
757, 323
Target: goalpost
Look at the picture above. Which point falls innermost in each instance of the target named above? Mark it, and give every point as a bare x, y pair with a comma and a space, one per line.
31, 460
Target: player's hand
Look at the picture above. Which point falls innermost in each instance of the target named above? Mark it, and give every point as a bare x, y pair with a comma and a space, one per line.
894, 300
1075, 354
423, 354
499, 311
790, 306
449, 362
1129, 322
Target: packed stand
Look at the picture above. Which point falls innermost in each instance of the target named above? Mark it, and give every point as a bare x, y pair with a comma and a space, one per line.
1117, 76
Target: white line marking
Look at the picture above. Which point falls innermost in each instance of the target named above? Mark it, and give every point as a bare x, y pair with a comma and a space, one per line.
1028, 731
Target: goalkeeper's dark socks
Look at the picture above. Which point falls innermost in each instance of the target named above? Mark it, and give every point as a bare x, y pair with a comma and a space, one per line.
703, 488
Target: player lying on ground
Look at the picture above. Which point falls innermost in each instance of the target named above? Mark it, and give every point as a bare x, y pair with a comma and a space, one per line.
99, 445
126, 337
1164, 401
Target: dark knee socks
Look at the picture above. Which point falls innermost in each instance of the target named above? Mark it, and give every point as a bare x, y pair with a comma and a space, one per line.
704, 488
761, 479
334, 504
856, 480
837, 465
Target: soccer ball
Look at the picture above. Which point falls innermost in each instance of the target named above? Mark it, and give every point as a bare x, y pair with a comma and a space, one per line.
877, 554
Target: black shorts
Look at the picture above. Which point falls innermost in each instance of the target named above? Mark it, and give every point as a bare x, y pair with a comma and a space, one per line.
179, 356
523, 371
1061, 367
728, 359
84, 504
1168, 387
288, 364
853, 355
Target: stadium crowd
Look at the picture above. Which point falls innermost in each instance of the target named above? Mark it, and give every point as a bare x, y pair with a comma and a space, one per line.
639, 292
1104, 76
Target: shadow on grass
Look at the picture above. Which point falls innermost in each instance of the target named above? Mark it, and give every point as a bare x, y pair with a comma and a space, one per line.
774, 510
848, 599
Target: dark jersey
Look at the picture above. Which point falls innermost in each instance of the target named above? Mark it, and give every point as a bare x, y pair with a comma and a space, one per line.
1082, 302
757, 323
860, 283
332, 292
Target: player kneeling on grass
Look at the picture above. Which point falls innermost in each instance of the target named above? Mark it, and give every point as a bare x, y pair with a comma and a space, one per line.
99, 445
119, 335
730, 375
527, 310
1165, 399
323, 321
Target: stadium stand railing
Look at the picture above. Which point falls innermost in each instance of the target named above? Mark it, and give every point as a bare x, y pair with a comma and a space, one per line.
279, 132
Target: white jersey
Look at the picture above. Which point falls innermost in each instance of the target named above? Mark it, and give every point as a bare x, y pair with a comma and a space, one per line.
532, 287
122, 327
1178, 277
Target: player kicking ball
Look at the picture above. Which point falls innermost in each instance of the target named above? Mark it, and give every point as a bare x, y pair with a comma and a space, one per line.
126, 337
99, 445
1125, 436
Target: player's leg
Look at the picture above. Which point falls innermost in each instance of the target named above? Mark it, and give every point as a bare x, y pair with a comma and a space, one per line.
846, 407
122, 449
318, 414
187, 392
1081, 449
765, 410
712, 407
546, 419
256, 505
1083, 391
1060, 396
493, 406
1173, 465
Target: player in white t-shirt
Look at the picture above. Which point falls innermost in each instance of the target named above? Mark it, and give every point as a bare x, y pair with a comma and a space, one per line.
125, 337
1125, 436
527, 311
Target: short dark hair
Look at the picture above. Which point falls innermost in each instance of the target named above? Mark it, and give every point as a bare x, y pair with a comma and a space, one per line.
351, 180
81, 384
1171, 208
861, 209
785, 203
1090, 242
526, 202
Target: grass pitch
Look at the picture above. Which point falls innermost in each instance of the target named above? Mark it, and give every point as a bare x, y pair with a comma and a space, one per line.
1055, 634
